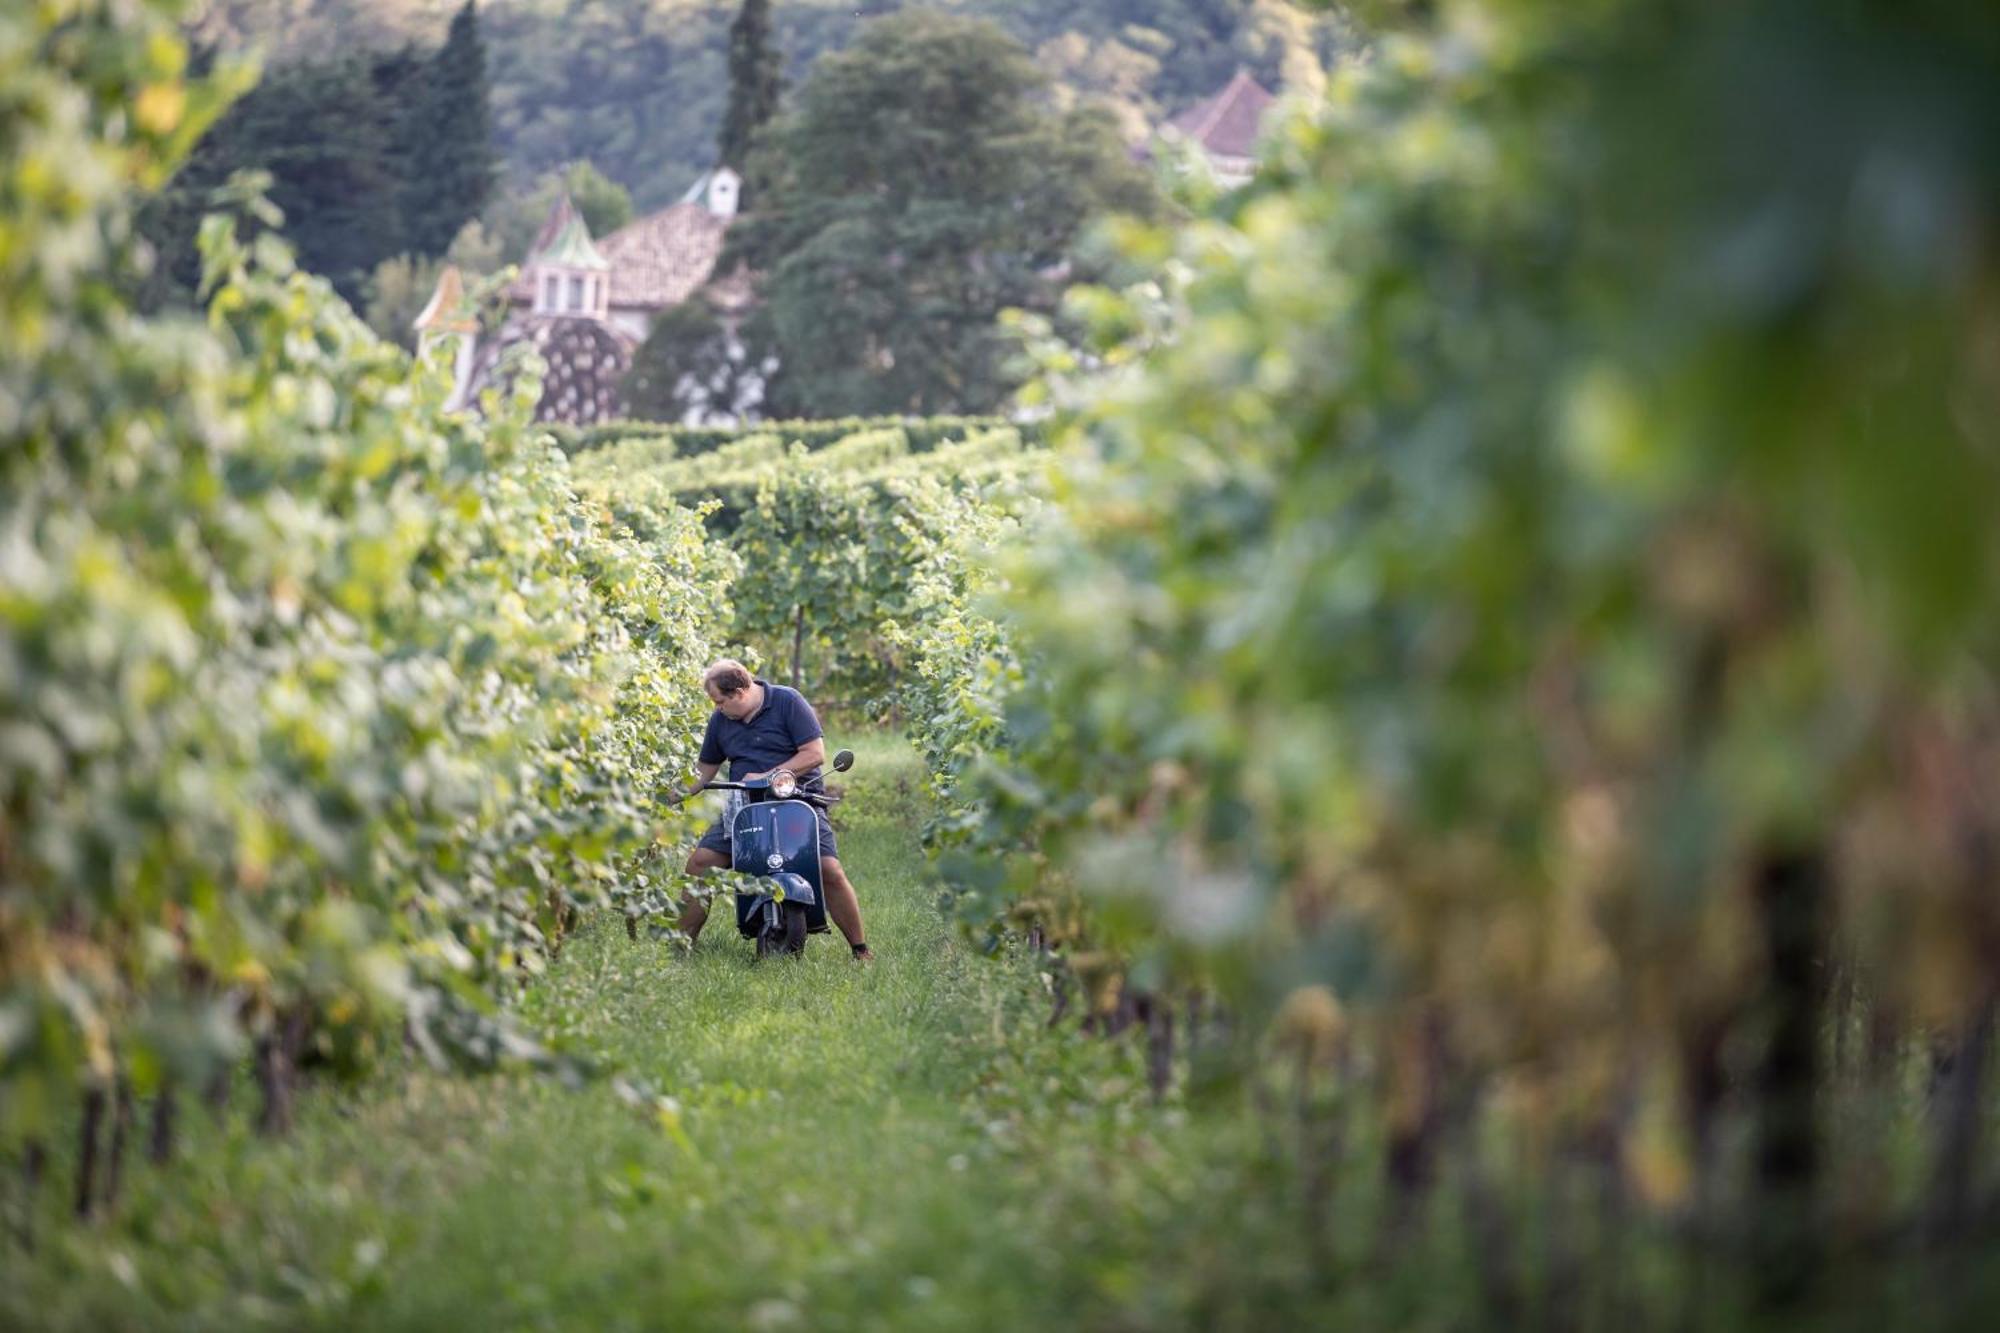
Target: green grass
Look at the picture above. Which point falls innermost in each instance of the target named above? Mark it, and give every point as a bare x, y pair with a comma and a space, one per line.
907, 1146
895, 1146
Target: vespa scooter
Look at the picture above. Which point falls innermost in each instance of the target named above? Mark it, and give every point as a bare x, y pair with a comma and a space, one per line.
774, 835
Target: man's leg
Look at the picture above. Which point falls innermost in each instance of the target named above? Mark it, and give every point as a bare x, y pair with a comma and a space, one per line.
694, 914
841, 903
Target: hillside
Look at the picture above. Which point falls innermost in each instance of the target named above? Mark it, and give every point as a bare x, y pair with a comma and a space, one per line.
638, 87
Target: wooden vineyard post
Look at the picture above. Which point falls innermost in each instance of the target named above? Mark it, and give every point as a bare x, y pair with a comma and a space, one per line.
798, 646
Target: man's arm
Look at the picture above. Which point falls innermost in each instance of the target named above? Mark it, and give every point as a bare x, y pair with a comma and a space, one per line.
810, 756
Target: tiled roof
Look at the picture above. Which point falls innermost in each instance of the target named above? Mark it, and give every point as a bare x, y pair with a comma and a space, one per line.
663, 258
1227, 123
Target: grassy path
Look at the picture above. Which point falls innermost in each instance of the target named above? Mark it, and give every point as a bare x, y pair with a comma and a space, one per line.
899, 1146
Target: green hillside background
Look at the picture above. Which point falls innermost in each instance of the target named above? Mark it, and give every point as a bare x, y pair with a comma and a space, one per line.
637, 86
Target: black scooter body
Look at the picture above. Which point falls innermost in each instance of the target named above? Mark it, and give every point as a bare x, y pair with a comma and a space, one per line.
777, 840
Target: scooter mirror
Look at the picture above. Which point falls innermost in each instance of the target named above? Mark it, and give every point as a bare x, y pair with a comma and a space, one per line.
843, 761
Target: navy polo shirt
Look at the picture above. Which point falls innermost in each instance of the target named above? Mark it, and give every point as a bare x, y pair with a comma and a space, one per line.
774, 733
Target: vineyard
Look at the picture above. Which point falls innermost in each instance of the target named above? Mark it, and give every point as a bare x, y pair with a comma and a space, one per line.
1450, 779
845, 536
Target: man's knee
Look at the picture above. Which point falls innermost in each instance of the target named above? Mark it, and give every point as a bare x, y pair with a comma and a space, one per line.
703, 859
830, 871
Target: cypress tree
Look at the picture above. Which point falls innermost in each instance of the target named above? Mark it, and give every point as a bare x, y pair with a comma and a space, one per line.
755, 81
454, 159
401, 82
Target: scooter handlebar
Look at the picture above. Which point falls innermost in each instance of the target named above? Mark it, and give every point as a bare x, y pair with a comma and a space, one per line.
811, 797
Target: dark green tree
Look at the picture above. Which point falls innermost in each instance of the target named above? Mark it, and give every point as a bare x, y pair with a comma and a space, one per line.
453, 167
514, 217
401, 80
756, 80
924, 188
370, 156
640, 87
695, 367
326, 135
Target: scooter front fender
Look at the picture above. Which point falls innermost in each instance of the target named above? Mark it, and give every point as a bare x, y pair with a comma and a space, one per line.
794, 888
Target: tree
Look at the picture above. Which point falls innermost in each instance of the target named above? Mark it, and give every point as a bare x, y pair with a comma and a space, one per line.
401, 82
640, 87
756, 78
475, 249
370, 156
921, 189
696, 369
326, 135
397, 293
453, 168
603, 202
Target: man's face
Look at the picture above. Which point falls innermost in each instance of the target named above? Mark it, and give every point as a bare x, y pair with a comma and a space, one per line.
736, 707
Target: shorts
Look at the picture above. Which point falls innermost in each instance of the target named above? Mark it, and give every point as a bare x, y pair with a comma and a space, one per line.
717, 837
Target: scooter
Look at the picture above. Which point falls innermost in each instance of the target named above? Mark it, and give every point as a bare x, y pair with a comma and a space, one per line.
774, 835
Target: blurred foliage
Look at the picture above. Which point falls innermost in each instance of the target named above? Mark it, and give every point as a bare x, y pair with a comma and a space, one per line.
371, 154
397, 293
401, 286
1518, 603
322, 709
1507, 640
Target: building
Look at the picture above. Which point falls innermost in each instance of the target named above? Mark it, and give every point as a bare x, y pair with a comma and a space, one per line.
585, 305
1225, 128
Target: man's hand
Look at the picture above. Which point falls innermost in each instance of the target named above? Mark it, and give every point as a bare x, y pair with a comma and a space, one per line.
703, 775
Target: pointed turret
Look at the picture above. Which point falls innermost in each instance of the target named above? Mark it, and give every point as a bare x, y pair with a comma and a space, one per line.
448, 311
564, 273
450, 317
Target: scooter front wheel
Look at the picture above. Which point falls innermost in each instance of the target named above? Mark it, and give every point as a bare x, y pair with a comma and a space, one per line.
795, 929
787, 938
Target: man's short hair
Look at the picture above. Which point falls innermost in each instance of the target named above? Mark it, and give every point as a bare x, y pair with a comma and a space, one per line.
726, 676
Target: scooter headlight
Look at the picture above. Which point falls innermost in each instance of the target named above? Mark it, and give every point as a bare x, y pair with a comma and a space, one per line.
783, 784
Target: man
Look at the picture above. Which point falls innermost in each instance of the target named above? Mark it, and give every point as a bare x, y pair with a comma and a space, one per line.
759, 728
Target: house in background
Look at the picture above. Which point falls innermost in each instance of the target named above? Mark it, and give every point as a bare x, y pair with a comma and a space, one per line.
450, 318
1225, 128
585, 305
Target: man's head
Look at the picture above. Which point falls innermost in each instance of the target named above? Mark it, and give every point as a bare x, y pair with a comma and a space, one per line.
730, 685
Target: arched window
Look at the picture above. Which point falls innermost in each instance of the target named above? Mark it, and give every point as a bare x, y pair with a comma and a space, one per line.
576, 291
